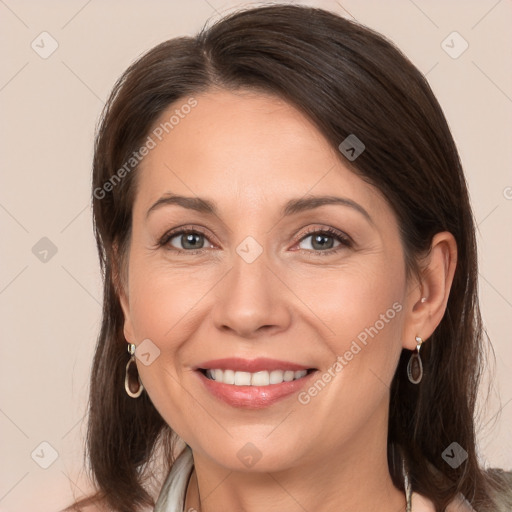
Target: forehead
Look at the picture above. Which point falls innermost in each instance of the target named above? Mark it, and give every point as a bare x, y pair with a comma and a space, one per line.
244, 149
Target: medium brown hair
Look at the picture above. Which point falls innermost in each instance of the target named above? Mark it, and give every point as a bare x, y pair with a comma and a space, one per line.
347, 79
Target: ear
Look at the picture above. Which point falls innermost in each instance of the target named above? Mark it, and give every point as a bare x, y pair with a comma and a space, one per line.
427, 299
120, 282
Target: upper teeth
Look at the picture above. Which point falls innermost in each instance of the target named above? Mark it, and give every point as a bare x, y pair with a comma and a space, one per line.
263, 378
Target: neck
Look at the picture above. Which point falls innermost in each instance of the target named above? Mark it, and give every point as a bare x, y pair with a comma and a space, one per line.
353, 478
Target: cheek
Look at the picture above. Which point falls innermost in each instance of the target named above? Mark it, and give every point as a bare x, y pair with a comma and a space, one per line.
360, 309
354, 299
163, 298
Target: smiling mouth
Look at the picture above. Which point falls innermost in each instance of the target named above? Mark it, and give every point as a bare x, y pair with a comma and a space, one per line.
261, 378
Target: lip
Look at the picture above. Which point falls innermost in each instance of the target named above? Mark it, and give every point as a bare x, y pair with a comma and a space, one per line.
250, 365
253, 397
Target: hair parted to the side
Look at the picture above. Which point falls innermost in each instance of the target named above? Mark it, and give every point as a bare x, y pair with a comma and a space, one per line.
348, 80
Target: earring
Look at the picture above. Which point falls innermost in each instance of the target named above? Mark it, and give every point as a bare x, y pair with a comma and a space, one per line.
415, 366
127, 381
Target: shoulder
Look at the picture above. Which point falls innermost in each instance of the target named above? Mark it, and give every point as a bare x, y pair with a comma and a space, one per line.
502, 488
422, 504
459, 505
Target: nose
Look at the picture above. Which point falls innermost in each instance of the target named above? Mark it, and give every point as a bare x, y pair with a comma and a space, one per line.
252, 301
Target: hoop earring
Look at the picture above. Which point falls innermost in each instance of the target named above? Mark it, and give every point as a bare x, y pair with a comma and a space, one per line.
415, 366
138, 391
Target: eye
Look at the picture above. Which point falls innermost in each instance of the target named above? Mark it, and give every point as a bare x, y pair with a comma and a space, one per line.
322, 241
190, 241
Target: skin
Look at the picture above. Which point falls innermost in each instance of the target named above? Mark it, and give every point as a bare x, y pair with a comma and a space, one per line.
250, 153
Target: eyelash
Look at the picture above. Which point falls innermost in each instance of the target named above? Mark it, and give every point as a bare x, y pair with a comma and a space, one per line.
345, 241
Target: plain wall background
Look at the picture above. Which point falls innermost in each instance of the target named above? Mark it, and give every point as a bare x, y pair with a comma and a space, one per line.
50, 310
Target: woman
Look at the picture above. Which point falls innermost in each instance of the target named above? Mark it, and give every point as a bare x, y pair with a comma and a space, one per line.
289, 257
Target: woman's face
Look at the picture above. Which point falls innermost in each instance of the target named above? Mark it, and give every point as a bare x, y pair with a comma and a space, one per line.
258, 278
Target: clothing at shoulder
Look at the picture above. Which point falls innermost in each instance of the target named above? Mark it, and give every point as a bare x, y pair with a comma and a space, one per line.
503, 498
459, 505
422, 504
172, 494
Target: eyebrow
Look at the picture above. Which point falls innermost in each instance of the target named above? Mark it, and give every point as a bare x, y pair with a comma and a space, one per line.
292, 207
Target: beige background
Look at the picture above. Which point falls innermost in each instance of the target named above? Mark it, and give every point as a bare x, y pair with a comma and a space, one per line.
50, 310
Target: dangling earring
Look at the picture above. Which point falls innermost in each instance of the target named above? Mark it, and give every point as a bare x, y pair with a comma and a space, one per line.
127, 380
415, 366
